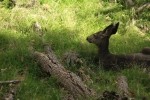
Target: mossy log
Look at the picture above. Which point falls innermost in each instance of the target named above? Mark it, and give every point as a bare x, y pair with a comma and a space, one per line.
68, 79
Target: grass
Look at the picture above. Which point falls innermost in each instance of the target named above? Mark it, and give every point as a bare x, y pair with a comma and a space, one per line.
67, 23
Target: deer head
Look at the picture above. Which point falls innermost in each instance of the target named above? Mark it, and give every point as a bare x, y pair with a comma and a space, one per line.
101, 38
98, 37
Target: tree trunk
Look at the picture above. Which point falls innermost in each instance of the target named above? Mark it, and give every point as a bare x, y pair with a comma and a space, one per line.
68, 79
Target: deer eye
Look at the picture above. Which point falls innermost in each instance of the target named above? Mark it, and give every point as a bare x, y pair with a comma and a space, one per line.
95, 36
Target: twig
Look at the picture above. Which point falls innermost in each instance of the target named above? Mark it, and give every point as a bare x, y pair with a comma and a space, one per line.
10, 82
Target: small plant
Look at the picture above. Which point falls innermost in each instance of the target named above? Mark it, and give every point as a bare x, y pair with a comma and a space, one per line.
9, 3
67, 24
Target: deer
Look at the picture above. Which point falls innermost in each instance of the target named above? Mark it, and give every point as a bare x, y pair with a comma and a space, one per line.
113, 61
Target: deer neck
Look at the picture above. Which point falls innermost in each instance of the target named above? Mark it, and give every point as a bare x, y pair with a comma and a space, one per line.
103, 48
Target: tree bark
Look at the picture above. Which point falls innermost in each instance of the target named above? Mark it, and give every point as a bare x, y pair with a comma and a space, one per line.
68, 79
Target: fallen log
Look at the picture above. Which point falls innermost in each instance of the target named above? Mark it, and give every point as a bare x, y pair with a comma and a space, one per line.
68, 79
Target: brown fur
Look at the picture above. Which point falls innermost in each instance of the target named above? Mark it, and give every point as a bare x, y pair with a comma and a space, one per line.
146, 50
109, 60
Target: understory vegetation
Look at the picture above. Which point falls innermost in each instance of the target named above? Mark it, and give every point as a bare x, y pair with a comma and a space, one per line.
65, 25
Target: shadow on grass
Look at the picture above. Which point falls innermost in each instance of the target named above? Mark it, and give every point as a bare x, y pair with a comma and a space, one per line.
16, 56
64, 40
17, 62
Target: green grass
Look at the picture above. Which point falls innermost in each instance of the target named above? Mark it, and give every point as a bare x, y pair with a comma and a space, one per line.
67, 23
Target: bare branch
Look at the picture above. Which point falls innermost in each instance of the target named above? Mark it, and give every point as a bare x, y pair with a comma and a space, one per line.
10, 82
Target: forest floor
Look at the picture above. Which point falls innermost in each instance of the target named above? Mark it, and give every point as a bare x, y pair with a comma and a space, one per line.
65, 25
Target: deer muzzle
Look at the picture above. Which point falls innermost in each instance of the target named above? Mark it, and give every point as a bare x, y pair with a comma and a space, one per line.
89, 39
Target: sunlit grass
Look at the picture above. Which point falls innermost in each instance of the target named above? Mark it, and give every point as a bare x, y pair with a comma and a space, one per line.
66, 25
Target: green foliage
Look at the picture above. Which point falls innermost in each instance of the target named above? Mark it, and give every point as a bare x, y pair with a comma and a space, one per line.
66, 24
9, 3
42, 89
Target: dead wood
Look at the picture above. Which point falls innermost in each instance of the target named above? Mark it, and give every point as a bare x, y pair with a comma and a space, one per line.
68, 97
37, 28
10, 82
142, 7
13, 84
68, 79
72, 58
85, 78
11, 94
123, 87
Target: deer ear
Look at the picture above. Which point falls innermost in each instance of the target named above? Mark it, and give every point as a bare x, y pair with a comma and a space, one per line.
111, 29
115, 28
108, 27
